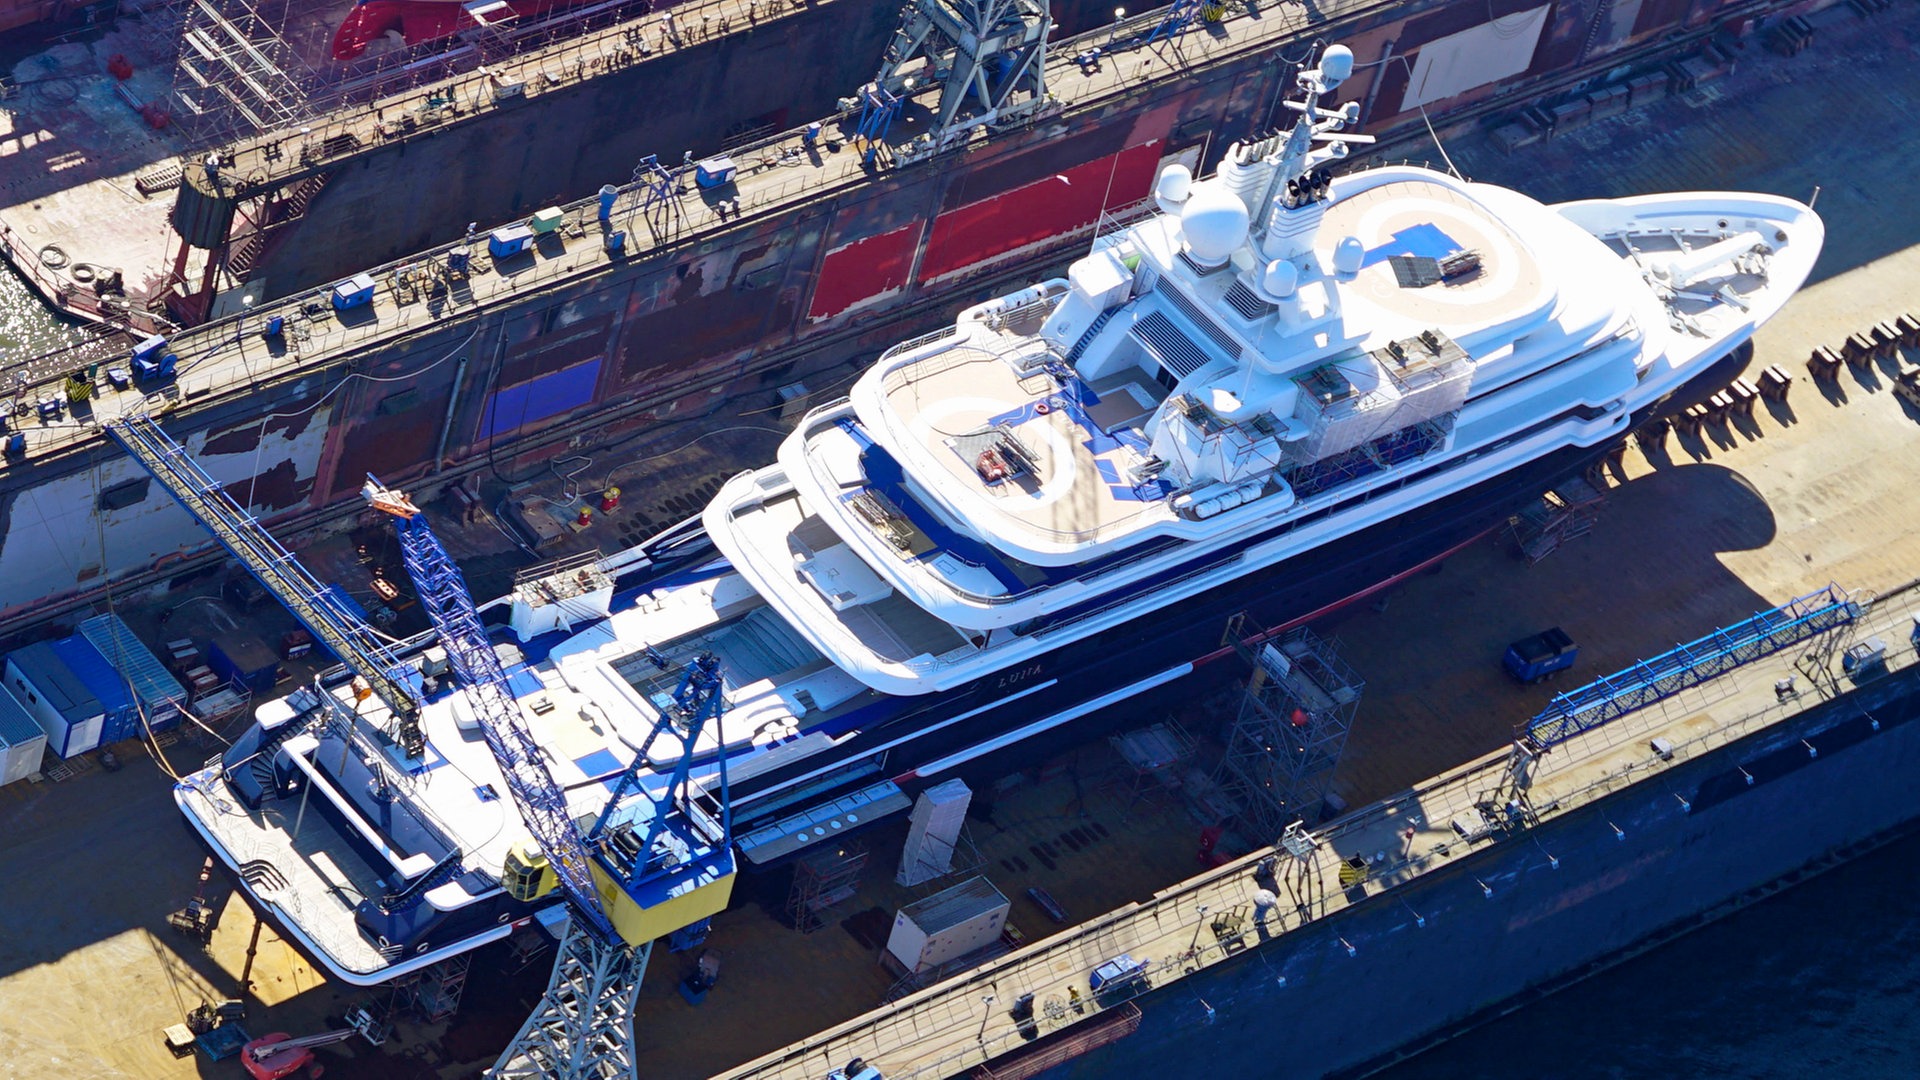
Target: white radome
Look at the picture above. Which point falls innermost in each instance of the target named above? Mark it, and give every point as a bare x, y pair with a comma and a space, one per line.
1214, 222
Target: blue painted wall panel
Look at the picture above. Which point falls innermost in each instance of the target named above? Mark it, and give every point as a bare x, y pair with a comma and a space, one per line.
538, 399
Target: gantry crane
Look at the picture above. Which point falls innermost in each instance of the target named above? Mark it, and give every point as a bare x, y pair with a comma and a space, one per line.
651, 862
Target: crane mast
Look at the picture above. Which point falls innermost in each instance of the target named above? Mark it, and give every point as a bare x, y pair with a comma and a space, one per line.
539, 798
661, 858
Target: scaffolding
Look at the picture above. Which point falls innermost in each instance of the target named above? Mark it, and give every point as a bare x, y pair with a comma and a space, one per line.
1153, 756
434, 993
1568, 512
1294, 718
822, 882
236, 74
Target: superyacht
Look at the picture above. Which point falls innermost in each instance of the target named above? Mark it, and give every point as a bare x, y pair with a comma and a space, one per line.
1276, 385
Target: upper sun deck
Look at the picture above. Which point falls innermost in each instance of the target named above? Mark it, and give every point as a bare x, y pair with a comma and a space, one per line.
1035, 424
1041, 463
1405, 221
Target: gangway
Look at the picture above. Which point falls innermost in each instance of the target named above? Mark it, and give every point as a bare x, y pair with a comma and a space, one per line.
320, 609
1688, 665
621, 894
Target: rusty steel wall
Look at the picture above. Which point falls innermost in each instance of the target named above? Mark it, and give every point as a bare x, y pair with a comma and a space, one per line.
564, 143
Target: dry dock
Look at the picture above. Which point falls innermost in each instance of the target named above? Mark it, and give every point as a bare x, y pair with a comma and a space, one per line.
1698, 535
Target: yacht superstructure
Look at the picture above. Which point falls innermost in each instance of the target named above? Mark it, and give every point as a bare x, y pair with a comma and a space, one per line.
1275, 359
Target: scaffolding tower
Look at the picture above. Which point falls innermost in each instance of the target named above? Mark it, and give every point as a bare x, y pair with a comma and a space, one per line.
236, 75
1292, 726
434, 994
1565, 513
822, 882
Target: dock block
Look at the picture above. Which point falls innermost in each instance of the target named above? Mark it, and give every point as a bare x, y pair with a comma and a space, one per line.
1775, 382
1824, 362
1886, 340
1653, 434
1906, 387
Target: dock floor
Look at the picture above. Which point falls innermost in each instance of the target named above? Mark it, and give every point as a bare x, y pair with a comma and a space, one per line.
1697, 536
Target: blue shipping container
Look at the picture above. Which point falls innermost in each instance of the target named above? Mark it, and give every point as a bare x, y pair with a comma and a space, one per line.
105, 684
245, 660
158, 691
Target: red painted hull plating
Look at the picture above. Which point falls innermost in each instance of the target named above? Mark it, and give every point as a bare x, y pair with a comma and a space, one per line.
418, 21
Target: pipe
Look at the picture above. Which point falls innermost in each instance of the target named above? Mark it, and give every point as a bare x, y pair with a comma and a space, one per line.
453, 406
1373, 85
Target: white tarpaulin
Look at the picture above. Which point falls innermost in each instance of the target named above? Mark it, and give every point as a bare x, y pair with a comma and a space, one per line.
1487, 53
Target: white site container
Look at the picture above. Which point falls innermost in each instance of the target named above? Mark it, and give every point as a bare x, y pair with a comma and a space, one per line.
22, 743
948, 925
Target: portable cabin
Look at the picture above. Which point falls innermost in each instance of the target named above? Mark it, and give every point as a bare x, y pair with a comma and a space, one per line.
22, 743
57, 699
120, 716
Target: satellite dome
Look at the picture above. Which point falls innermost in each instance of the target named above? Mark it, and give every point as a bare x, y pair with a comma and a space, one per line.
1336, 65
1348, 255
1173, 187
1279, 279
1214, 221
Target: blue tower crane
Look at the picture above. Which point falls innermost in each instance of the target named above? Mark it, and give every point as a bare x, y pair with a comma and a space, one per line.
679, 871
679, 874
538, 796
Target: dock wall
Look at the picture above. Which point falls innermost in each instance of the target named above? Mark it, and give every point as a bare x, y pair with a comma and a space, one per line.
715, 320
1699, 841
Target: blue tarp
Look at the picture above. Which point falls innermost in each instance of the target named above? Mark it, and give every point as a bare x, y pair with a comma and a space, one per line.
539, 398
